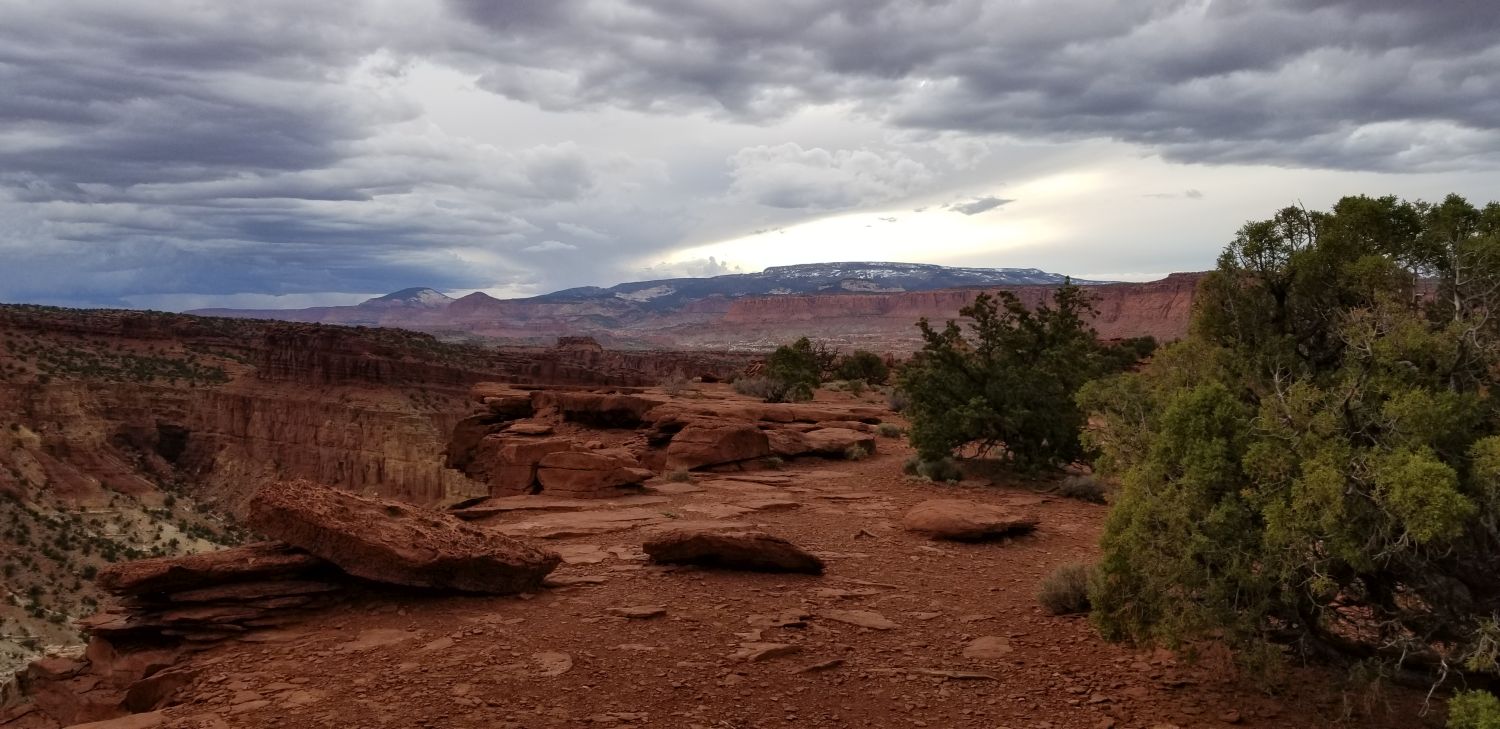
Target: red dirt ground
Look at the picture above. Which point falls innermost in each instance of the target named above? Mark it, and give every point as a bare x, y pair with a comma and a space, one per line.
561, 658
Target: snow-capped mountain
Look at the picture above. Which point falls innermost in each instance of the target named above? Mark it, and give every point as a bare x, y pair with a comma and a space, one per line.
810, 278
421, 298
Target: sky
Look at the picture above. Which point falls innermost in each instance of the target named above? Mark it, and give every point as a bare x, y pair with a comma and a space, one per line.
175, 154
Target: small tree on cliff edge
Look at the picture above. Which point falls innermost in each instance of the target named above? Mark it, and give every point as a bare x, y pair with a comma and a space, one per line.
1010, 382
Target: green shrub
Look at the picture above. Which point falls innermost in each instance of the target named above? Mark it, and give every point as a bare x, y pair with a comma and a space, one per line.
1474, 710
774, 462
1006, 385
794, 371
889, 430
856, 452
1066, 590
1319, 461
866, 366
940, 469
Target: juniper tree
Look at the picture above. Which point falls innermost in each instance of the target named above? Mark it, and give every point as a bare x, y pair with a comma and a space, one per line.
1318, 463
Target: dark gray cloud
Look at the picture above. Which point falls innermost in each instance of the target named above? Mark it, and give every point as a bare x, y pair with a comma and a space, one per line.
282, 147
1353, 85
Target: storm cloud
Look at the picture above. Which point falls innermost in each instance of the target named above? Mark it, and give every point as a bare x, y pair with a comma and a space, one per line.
170, 151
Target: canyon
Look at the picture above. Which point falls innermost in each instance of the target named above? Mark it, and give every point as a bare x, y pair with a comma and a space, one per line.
131, 434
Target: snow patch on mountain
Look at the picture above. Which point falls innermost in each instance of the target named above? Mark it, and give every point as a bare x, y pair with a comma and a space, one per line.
655, 292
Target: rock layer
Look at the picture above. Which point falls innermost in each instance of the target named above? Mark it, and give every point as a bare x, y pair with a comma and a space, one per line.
395, 543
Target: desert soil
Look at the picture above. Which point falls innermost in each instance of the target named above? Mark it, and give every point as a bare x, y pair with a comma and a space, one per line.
958, 639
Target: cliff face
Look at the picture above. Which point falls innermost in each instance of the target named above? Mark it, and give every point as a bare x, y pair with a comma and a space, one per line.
129, 434
1157, 308
882, 321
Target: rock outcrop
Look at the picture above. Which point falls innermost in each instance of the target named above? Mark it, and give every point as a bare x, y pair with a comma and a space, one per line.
966, 521
395, 543
715, 443
741, 550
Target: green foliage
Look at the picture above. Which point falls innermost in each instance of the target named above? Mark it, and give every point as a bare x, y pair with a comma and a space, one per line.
1009, 383
1319, 462
863, 365
793, 372
889, 430
1474, 710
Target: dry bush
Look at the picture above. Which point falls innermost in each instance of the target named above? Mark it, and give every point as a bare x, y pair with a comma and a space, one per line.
1082, 487
942, 469
889, 430
1066, 590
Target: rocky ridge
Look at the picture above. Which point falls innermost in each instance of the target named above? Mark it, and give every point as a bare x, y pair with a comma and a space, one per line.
865, 305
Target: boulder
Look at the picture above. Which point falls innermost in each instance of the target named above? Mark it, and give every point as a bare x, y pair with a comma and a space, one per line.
712, 444
388, 541
588, 474
745, 550
508, 463
256, 562
528, 427
966, 521
827, 442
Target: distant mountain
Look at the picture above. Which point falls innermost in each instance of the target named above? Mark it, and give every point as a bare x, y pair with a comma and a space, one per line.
865, 301
422, 298
811, 278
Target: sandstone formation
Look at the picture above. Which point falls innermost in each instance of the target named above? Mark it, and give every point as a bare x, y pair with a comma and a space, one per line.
252, 562
530, 439
742, 550
966, 521
707, 444
395, 543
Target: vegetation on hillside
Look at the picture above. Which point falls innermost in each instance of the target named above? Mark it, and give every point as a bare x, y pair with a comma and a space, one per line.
1318, 464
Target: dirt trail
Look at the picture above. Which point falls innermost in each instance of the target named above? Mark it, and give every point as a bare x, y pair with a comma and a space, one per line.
630, 644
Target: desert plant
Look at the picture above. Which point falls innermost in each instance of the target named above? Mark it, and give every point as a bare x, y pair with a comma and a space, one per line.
680, 475
1319, 461
1066, 590
794, 371
862, 365
1474, 710
856, 452
774, 462
939, 469
897, 400
1008, 385
856, 387
889, 430
676, 385
1082, 487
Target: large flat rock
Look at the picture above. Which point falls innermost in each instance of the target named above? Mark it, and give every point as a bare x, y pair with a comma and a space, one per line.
251, 562
388, 541
744, 550
967, 521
